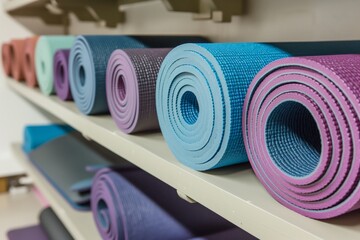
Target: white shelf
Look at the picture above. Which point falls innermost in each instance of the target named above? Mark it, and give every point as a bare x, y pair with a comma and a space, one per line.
233, 192
79, 223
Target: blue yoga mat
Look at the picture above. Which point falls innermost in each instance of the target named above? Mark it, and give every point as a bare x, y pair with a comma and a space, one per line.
132, 204
200, 93
88, 60
37, 135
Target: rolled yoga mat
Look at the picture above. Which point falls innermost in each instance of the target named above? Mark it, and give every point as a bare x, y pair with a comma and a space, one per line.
88, 59
301, 122
52, 225
44, 59
130, 87
37, 135
29, 61
17, 54
200, 92
135, 205
61, 74
6, 58
65, 161
26, 233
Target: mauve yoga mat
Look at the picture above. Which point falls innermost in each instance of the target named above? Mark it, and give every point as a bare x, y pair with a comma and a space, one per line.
6, 58
52, 225
132, 204
301, 122
88, 59
29, 61
17, 54
61, 74
26, 233
130, 87
66, 161
37, 135
44, 59
200, 92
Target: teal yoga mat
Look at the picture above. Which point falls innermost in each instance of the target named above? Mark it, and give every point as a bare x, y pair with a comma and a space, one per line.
44, 58
201, 89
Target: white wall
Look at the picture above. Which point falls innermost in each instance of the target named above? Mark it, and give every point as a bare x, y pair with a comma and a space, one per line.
15, 112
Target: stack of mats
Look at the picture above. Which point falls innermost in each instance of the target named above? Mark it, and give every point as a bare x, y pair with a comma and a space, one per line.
200, 93
301, 122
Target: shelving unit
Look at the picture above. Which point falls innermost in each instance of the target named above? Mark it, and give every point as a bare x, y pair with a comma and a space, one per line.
80, 224
233, 192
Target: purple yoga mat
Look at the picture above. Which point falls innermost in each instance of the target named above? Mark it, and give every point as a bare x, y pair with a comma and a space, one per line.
130, 88
301, 122
26, 233
132, 204
61, 74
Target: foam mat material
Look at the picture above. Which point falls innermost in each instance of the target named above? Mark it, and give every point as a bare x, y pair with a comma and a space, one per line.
200, 93
301, 122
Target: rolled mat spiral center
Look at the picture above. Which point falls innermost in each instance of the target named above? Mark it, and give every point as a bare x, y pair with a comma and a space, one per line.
301, 122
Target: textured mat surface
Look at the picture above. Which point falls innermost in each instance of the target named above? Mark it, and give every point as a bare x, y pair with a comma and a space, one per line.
65, 161
36, 135
88, 61
301, 121
123, 201
130, 88
61, 74
17, 54
29, 61
52, 225
6, 58
44, 59
26, 233
200, 93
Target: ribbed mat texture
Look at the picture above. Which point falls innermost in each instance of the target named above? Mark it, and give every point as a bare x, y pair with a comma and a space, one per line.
17, 54
61, 74
130, 88
6, 58
29, 61
200, 93
301, 122
44, 59
88, 61
135, 205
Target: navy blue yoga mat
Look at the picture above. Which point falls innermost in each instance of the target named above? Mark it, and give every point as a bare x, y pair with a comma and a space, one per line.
88, 60
133, 204
200, 93
36, 135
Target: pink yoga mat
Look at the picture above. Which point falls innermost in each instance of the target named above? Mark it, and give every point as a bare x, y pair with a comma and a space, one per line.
6, 58
17, 54
301, 126
29, 61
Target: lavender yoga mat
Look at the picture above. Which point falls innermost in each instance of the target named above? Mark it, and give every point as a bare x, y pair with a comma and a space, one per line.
61, 74
132, 204
130, 87
26, 233
301, 122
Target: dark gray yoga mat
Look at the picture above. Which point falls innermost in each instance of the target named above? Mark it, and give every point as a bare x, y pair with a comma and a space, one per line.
66, 162
52, 225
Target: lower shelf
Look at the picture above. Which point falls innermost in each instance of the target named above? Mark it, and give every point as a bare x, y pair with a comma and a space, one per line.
80, 224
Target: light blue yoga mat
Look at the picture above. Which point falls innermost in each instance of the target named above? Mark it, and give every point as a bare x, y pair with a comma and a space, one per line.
200, 93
